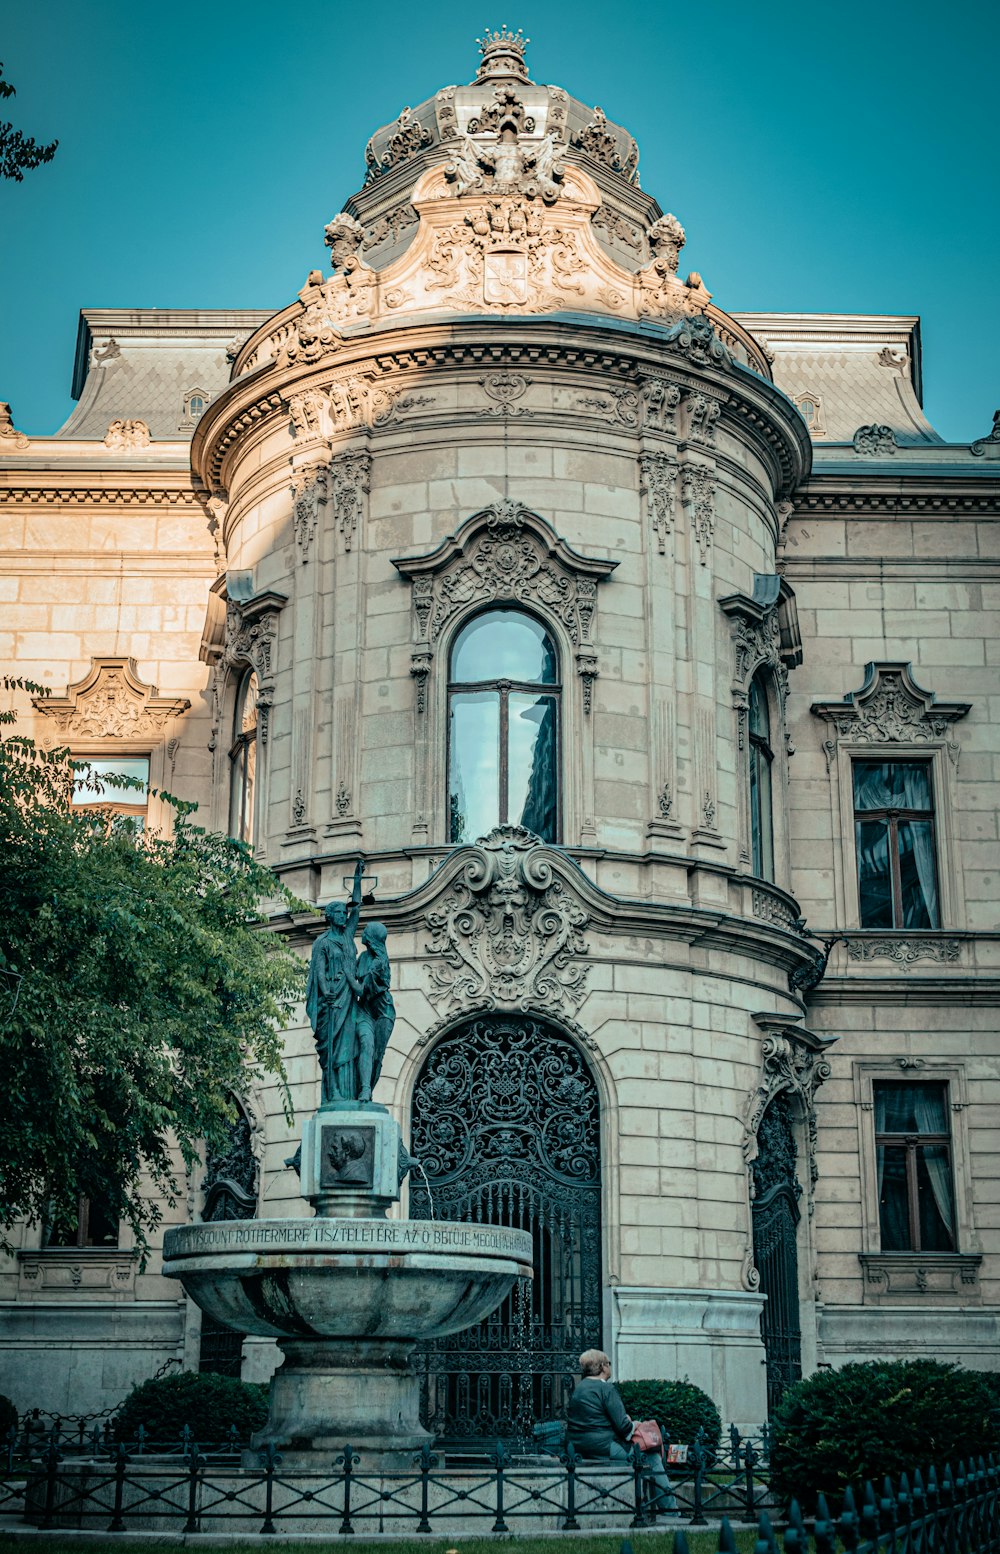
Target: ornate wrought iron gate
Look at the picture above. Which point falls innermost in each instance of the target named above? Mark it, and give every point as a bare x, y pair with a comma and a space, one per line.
775, 1222
505, 1122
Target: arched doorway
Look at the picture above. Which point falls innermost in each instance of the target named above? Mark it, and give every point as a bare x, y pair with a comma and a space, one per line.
506, 1123
776, 1193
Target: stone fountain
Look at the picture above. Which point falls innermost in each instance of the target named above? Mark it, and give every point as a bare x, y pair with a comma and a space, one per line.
349, 1293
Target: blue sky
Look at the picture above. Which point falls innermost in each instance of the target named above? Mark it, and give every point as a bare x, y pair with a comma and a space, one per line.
822, 158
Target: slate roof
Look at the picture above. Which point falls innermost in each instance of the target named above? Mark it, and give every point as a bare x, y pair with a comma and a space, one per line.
143, 364
855, 369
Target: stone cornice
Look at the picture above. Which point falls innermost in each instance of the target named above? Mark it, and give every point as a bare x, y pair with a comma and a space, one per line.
918, 495
763, 939
55, 489
606, 349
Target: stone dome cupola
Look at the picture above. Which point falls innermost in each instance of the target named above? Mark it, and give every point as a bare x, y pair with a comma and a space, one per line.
502, 106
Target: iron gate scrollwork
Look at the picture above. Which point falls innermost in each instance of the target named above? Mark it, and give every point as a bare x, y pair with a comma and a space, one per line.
506, 1123
776, 1191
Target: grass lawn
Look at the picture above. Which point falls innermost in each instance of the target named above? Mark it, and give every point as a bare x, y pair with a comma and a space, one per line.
700, 1541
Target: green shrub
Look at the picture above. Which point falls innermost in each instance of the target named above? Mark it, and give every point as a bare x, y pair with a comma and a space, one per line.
8, 1417
210, 1405
679, 1408
882, 1417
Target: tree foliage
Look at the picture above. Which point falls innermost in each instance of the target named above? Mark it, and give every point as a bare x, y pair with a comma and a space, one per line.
137, 994
19, 153
880, 1417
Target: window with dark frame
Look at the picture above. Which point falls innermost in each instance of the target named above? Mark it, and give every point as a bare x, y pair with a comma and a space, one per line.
761, 800
503, 727
895, 844
916, 1198
94, 1227
243, 761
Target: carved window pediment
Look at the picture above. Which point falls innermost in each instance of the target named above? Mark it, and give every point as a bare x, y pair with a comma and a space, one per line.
504, 555
111, 702
890, 708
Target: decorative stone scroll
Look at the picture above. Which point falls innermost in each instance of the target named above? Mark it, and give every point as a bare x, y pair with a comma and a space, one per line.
698, 498
504, 554
792, 1059
890, 708
8, 431
904, 949
309, 495
348, 483
111, 702
657, 483
875, 441
508, 932
122, 435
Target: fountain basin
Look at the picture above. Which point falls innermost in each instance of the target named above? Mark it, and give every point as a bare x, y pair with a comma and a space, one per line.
347, 1279
347, 1300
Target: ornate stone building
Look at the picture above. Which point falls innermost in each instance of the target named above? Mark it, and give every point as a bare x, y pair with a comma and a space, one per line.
647, 653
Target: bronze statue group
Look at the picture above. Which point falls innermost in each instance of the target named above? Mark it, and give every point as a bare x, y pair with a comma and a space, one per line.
349, 1002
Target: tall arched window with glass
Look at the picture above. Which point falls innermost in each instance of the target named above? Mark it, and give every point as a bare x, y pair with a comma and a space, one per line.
761, 761
243, 761
503, 727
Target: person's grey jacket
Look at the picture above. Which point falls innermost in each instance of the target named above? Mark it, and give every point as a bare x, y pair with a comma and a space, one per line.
596, 1418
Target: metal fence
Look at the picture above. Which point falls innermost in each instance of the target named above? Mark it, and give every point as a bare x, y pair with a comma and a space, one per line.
64, 1479
57, 1479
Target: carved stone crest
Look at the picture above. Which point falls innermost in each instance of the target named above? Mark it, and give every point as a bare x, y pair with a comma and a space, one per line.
890, 707
508, 934
875, 441
124, 435
505, 277
111, 702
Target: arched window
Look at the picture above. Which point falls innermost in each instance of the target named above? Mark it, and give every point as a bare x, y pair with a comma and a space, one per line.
503, 727
761, 758
243, 757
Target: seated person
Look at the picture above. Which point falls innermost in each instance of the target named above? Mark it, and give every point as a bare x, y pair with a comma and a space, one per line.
599, 1427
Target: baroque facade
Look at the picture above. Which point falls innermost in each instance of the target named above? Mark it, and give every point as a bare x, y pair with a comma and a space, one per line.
647, 653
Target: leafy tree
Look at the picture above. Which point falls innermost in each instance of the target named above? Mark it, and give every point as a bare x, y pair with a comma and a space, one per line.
19, 153
137, 993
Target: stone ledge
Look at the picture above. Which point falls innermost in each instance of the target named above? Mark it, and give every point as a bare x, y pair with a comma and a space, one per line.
921, 1273
76, 1269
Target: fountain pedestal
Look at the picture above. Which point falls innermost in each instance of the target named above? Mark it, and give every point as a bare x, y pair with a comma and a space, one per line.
347, 1294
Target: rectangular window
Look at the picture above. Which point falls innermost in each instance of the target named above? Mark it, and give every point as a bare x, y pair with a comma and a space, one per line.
94, 1226
894, 839
916, 1199
95, 785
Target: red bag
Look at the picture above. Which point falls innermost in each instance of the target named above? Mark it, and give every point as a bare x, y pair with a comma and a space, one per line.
646, 1435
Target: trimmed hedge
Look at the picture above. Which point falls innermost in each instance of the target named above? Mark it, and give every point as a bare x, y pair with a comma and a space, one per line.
209, 1404
679, 1408
881, 1417
8, 1417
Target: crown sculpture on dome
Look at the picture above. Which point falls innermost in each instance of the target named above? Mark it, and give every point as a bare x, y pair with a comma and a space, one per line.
503, 54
